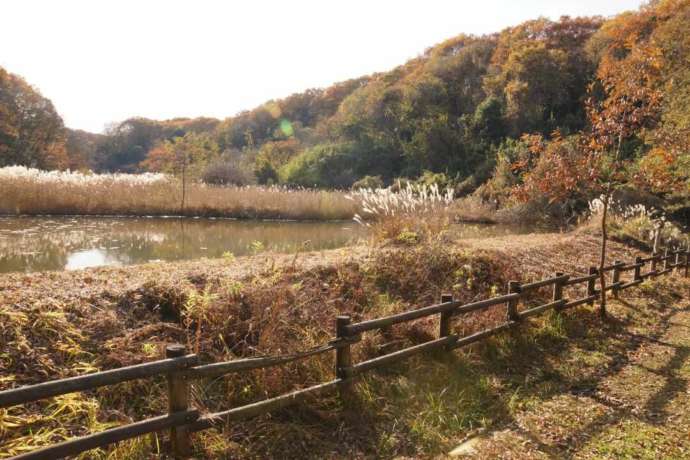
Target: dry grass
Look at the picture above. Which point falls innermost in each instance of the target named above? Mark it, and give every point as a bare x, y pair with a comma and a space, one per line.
60, 324
473, 209
411, 215
34, 192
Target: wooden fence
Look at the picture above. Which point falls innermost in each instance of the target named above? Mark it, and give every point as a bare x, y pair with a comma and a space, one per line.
181, 368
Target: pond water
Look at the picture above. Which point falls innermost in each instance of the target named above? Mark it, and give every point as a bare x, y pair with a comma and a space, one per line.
66, 243
30, 244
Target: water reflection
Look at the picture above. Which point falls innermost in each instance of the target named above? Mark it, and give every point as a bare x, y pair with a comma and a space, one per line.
89, 258
47, 243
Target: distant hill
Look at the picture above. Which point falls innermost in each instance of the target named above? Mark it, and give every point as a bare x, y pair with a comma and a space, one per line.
451, 111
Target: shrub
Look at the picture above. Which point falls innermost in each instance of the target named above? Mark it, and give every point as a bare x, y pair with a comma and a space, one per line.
265, 173
226, 172
326, 165
370, 182
429, 178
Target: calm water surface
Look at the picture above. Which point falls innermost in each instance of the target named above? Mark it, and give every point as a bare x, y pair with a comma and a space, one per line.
66, 243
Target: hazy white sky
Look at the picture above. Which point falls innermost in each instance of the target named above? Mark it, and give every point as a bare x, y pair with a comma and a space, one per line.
104, 60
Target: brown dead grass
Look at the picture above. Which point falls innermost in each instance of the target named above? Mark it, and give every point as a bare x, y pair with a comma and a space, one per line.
519, 388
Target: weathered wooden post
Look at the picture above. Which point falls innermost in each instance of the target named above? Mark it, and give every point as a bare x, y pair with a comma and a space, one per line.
677, 262
616, 277
558, 288
514, 287
591, 284
655, 258
666, 264
446, 317
343, 359
637, 274
178, 400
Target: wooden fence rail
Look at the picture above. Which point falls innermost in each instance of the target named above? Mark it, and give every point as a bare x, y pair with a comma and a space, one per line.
181, 368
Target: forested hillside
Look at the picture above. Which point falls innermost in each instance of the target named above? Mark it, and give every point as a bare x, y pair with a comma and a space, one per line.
502, 107
31, 131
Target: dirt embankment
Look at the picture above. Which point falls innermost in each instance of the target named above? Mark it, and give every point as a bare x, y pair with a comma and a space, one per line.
65, 323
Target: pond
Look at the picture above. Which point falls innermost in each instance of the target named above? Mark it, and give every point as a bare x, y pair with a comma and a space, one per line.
29, 244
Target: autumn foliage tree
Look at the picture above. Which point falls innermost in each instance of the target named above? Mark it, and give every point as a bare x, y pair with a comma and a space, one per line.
184, 157
628, 80
622, 83
31, 131
624, 100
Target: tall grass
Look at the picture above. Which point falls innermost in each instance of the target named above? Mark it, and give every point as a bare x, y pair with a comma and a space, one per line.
638, 225
413, 213
34, 192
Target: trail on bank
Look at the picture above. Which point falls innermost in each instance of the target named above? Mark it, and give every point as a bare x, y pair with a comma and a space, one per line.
619, 389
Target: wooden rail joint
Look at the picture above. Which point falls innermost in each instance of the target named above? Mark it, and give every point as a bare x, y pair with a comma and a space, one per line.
343, 359
514, 287
637, 274
446, 317
178, 401
593, 272
558, 286
616, 277
666, 259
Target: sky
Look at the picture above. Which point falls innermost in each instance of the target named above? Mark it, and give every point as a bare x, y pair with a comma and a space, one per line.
102, 61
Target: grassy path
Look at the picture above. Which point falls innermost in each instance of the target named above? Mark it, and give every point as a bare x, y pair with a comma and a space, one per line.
621, 391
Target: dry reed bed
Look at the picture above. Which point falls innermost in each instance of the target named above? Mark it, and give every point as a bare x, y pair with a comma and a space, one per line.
34, 192
58, 324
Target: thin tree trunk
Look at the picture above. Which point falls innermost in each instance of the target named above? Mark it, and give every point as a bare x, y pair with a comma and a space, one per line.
604, 231
184, 186
657, 237
602, 256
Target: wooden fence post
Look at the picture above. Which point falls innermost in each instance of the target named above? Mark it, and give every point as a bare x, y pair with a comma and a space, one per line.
343, 359
677, 263
616, 277
178, 400
637, 274
591, 284
513, 288
558, 289
655, 257
666, 264
446, 317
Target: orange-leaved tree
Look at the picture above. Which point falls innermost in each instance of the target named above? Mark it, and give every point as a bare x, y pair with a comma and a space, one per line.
623, 101
183, 156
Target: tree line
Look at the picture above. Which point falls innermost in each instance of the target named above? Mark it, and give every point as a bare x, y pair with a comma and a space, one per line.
494, 111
